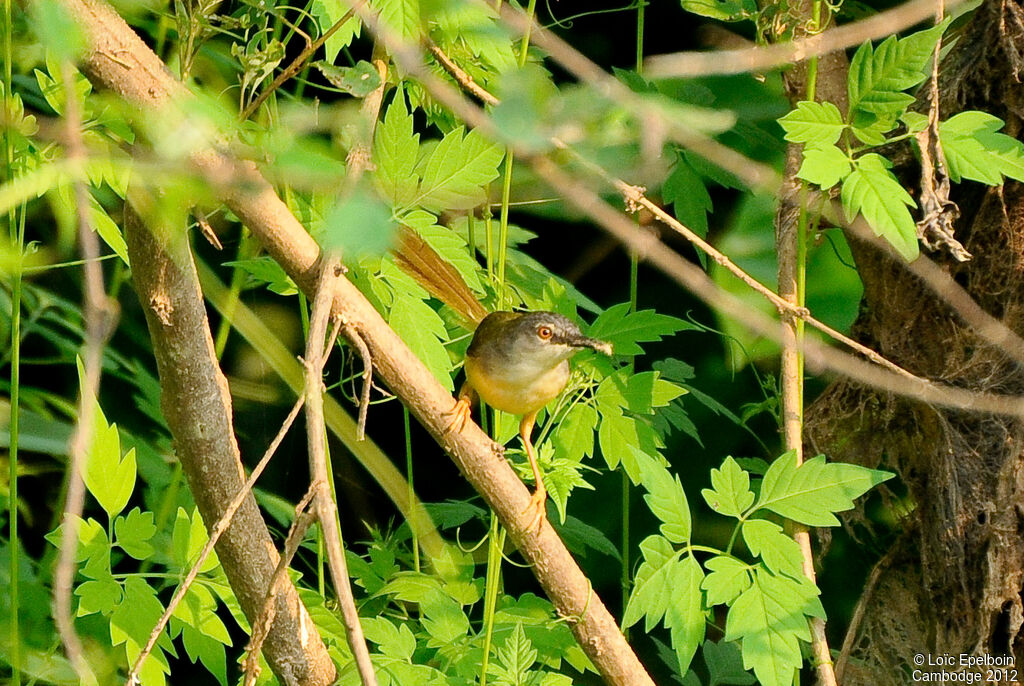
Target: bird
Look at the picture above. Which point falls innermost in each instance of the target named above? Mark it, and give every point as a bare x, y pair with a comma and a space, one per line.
518, 362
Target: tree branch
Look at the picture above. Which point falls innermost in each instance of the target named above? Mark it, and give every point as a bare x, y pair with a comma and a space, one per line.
197, 406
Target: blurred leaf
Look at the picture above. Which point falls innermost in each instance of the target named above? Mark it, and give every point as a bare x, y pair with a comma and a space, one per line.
265, 270
358, 81
358, 225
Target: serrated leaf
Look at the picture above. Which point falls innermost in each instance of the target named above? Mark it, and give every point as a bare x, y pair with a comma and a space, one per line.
685, 616
448, 244
131, 624
810, 493
188, 539
133, 532
648, 598
729, 578
328, 13
725, 664
878, 75
198, 609
690, 199
622, 439
358, 81
974, 149
724, 10
208, 651
816, 123
442, 617
423, 331
625, 329
265, 270
779, 552
109, 477
873, 191
730, 492
98, 595
666, 498
395, 150
825, 166
402, 16
770, 618
456, 171
574, 438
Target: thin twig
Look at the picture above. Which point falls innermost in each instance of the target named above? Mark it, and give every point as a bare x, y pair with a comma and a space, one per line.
215, 533
261, 627
763, 57
296, 65
95, 312
364, 354
464, 80
316, 435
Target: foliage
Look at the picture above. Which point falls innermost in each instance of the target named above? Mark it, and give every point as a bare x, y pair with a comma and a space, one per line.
637, 417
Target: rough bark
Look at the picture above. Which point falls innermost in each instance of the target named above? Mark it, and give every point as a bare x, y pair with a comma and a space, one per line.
197, 406
952, 583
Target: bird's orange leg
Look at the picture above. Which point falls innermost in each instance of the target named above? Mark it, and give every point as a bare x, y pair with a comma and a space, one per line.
462, 410
540, 494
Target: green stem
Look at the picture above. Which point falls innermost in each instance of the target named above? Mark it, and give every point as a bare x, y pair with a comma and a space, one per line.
412, 492
17, 234
495, 543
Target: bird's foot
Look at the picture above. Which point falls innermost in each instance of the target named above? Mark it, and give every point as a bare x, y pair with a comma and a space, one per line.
459, 414
536, 509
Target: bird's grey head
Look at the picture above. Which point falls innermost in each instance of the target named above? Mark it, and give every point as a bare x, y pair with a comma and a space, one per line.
553, 335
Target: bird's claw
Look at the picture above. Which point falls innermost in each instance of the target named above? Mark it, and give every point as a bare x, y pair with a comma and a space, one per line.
536, 510
459, 414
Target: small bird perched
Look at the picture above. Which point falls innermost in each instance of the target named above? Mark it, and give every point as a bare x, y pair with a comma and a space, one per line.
518, 362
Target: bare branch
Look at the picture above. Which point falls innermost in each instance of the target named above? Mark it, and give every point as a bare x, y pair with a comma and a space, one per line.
261, 627
316, 434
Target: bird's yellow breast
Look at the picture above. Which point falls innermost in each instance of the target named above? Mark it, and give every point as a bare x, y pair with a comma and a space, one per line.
517, 389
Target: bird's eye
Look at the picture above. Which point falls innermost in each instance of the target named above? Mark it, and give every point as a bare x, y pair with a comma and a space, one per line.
544, 332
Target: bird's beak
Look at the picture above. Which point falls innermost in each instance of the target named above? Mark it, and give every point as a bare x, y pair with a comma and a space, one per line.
603, 347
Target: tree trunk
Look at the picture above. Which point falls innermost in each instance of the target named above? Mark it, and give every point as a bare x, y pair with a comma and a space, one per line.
952, 582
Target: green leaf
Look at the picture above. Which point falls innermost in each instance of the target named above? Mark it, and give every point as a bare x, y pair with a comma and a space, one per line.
685, 616
443, 619
188, 539
208, 651
579, 536
57, 30
131, 624
810, 493
666, 498
622, 439
561, 476
402, 16
109, 478
394, 641
725, 664
825, 166
98, 595
685, 189
872, 190
574, 438
358, 225
198, 609
625, 329
358, 81
770, 618
817, 123
396, 149
266, 270
423, 331
724, 10
974, 149
729, 578
456, 170
649, 598
779, 552
133, 533
877, 76
328, 13
730, 492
